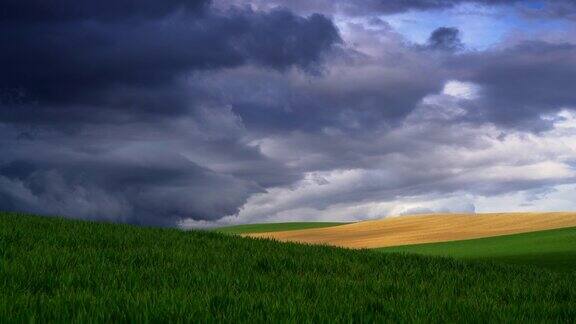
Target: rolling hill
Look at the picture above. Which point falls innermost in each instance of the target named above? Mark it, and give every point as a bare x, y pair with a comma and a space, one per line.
425, 229
553, 249
58, 270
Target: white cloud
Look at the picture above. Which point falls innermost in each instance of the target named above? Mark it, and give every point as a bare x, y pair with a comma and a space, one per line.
490, 170
461, 90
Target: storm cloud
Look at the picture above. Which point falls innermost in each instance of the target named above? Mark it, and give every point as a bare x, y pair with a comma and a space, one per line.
66, 10
374, 7
445, 38
83, 57
178, 112
84, 84
522, 82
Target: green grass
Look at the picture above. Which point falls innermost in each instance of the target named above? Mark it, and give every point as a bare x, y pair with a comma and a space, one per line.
56, 270
553, 249
273, 227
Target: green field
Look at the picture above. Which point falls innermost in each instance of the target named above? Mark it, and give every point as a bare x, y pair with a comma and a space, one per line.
553, 249
273, 227
57, 270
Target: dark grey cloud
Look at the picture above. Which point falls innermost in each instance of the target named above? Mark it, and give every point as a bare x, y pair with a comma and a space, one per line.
65, 10
160, 192
142, 174
354, 95
553, 10
89, 65
366, 7
100, 117
550, 9
384, 6
521, 83
446, 39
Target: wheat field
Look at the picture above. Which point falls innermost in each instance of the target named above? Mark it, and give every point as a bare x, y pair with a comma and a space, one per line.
425, 229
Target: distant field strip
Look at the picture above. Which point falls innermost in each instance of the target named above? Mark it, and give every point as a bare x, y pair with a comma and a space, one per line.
553, 249
425, 229
274, 227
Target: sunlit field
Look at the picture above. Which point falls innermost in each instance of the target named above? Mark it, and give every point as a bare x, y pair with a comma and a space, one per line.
552, 249
425, 229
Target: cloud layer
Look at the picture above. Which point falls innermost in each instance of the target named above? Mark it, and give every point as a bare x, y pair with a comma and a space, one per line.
192, 112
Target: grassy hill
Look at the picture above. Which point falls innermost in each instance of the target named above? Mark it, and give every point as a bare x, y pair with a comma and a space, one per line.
59, 270
274, 227
554, 249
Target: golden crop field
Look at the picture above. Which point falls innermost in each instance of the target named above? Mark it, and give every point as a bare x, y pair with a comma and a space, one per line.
425, 229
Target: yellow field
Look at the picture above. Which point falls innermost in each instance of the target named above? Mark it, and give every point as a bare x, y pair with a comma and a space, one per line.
425, 229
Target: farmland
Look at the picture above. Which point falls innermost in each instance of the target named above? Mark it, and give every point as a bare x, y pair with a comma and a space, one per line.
425, 229
553, 249
59, 270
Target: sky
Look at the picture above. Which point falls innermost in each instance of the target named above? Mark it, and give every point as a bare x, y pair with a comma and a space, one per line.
195, 113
